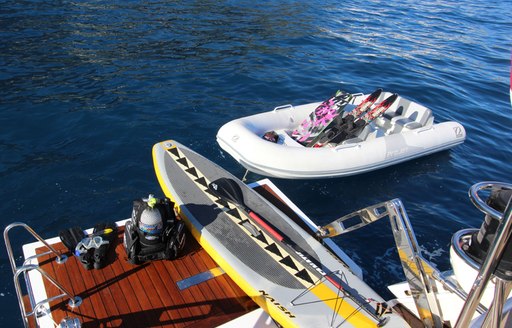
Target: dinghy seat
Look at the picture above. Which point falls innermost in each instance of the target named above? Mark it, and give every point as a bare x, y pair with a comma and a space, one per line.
408, 118
390, 113
418, 118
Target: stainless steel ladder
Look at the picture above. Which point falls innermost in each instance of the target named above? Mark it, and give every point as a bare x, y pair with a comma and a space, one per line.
36, 309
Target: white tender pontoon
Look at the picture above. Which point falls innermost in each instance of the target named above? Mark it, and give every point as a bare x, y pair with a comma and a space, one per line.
405, 131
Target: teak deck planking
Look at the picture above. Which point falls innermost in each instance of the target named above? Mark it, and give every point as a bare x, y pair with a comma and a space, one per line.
126, 295
146, 295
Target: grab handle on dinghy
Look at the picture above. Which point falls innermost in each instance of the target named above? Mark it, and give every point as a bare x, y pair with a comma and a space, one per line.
346, 146
283, 107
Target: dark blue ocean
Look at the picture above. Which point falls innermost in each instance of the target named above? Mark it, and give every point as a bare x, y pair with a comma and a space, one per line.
87, 88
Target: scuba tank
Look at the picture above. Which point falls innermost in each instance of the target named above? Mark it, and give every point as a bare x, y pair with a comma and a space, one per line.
150, 222
153, 232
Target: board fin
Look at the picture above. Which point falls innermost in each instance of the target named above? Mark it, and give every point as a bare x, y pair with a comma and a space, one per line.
71, 237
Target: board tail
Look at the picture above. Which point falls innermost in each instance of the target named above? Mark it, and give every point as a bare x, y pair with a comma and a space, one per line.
366, 104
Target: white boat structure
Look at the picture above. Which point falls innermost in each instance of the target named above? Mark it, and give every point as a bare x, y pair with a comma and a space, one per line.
405, 131
475, 294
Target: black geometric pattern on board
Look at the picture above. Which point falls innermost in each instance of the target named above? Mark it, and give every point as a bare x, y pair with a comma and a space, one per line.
273, 248
221, 201
192, 171
234, 212
210, 192
183, 161
174, 151
261, 237
303, 274
289, 262
202, 182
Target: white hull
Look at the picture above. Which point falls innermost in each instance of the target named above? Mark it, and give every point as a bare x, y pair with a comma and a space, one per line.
383, 144
478, 287
464, 272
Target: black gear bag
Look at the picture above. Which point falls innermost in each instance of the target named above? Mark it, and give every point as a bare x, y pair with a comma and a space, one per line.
141, 247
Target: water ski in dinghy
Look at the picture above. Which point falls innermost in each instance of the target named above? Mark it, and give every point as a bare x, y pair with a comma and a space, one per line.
406, 130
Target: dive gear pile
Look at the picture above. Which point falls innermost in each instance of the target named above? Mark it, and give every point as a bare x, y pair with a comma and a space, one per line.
153, 233
91, 250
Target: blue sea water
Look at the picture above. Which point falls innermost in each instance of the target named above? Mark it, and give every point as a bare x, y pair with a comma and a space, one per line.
87, 87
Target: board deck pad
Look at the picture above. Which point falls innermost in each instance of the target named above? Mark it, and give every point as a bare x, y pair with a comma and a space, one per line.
292, 286
222, 227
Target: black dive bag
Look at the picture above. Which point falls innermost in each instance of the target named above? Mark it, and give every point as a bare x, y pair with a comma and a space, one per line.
141, 247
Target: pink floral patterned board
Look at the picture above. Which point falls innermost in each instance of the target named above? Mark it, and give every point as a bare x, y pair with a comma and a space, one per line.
320, 118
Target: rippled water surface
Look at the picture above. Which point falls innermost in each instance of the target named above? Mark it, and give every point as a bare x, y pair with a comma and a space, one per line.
87, 87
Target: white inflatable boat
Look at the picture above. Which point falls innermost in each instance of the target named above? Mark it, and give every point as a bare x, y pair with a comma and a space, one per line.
405, 131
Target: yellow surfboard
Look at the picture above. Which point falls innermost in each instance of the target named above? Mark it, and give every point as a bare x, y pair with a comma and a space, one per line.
285, 270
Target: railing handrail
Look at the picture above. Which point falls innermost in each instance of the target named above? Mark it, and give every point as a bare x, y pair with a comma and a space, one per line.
419, 272
491, 261
414, 265
26, 267
35, 235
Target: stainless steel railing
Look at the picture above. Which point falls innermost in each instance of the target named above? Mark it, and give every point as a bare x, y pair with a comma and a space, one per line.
421, 275
36, 308
491, 262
